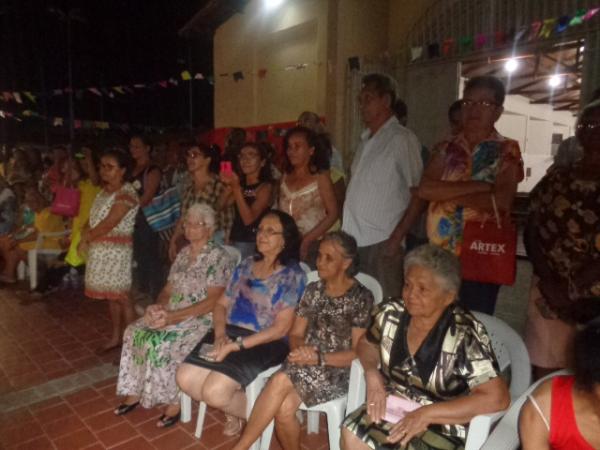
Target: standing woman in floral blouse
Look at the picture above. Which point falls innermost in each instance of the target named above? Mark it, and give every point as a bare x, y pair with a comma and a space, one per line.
155, 345
108, 240
563, 237
205, 187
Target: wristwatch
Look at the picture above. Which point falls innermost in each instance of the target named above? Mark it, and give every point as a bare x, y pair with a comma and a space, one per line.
240, 342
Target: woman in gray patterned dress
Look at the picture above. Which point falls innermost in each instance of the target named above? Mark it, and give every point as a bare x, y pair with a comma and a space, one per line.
155, 345
330, 320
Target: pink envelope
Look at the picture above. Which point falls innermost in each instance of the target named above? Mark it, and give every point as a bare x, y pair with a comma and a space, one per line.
396, 408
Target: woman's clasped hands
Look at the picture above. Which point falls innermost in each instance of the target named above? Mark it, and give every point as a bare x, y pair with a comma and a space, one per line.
156, 317
305, 355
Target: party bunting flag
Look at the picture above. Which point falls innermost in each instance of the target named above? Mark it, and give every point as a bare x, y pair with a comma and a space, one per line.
119, 90
262, 73
466, 44
578, 17
499, 39
30, 96
173, 81
563, 24
448, 47
591, 13
480, 41
58, 121
163, 84
17, 97
95, 91
534, 30
186, 75
7, 96
416, 53
198, 76
237, 76
547, 27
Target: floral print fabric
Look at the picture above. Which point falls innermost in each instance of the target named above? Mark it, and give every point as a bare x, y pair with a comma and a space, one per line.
254, 302
108, 269
445, 220
330, 323
150, 357
568, 217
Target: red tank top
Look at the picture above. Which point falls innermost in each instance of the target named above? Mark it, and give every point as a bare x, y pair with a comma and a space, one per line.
564, 434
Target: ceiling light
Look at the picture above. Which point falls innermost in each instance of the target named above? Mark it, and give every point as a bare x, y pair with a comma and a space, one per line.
272, 4
554, 81
511, 65
582, 48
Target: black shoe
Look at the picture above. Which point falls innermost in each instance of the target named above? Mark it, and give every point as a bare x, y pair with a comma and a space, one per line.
125, 408
168, 421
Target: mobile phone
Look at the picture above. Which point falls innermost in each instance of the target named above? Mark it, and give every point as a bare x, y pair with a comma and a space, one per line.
206, 351
226, 167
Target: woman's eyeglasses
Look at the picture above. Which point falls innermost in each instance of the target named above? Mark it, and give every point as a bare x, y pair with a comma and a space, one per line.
193, 155
267, 231
189, 224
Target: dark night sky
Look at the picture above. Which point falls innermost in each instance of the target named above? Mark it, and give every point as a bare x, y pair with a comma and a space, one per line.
121, 42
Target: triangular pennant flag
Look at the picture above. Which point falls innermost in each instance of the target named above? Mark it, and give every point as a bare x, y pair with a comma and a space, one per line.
563, 24
77, 124
119, 89
534, 30
27, 113
7, 96
198, 76
173, 81
262, 73
591, 13
466, 44
186, 75
163, 84
547, 28
29, 96
499, 39
237, 76
433, 50
578, 17
448, 47
17, 97
57, 122
95, 91
480, 41
57, 92
416, 53
139, 85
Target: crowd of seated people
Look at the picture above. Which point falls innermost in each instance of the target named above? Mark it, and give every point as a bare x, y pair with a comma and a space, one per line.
209, 328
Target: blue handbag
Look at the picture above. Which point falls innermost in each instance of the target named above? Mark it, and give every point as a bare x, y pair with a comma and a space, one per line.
164, 210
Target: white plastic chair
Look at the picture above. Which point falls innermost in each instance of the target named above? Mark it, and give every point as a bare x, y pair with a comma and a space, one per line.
234, 252
506, 434
334, 409
32, 255
510, 351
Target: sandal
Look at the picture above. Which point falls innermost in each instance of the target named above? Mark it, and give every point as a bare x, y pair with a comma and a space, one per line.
165, 421
124, 408
233, 425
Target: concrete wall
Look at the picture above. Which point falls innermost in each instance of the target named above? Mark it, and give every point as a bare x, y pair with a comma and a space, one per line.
294, 33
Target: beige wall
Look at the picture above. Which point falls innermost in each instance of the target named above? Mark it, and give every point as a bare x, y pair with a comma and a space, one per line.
294, 33
404, 14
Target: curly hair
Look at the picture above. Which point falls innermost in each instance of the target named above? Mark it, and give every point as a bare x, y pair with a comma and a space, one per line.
319, 161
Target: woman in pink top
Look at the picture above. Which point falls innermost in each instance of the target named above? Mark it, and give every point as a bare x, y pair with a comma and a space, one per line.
306, 192
563, 413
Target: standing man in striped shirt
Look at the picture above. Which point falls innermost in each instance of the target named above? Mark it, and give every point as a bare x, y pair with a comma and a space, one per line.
386, 165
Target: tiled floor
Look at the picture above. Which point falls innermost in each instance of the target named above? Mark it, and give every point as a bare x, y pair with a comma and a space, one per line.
43, 343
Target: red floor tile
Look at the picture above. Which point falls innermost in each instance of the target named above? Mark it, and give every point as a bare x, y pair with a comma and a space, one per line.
138, 443
76, 440
52, 401
82, 396
175, 439
92, 407
21, 433
40, 443
140, 415
116, 434
103, 420
63, 426
53, 413
149, 429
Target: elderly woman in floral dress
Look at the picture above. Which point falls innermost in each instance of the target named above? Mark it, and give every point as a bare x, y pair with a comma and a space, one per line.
155, 345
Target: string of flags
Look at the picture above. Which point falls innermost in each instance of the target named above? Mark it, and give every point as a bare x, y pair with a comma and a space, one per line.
541, 29
124, 89
77, 123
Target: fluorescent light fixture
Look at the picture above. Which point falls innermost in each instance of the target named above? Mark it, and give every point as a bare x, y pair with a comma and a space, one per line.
511, 65
272, 4
554, 81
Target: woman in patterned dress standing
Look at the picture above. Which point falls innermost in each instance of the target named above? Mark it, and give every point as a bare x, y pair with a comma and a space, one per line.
108, 240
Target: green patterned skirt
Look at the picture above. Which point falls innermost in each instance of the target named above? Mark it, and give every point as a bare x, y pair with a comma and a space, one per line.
375, 435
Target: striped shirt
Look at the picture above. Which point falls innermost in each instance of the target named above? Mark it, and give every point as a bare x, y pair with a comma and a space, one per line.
384, 169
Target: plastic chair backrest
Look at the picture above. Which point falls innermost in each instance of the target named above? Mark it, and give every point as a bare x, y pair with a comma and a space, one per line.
366, 280
234, 252
510, 351
506, 434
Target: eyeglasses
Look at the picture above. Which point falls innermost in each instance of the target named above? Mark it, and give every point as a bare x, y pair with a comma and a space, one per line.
588, 126
268, 231
189, 224
477, 104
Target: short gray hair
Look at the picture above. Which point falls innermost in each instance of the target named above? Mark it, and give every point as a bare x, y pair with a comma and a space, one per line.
442, 263
349, 247
203, 212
